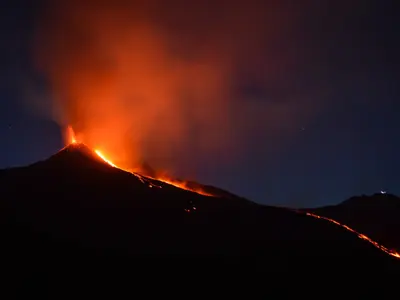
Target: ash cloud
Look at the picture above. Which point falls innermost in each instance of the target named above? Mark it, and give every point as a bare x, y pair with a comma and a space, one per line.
175, 83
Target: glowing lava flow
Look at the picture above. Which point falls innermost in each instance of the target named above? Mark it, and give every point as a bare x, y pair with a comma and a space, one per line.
104, 158
163, 179
360, 235
183, 185
71, 139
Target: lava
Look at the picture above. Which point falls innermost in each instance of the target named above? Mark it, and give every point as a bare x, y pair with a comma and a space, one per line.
182, 185
71, 139
101, 155
360, 235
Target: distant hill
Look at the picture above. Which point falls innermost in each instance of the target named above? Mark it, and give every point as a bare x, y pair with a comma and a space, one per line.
75, 212
377, 216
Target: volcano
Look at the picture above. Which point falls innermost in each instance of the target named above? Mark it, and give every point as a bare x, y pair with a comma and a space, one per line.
75, 209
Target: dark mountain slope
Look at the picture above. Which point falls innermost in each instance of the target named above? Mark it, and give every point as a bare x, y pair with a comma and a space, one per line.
74, 212
377, 216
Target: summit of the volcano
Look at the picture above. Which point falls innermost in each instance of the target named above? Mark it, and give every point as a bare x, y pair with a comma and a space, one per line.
76, 152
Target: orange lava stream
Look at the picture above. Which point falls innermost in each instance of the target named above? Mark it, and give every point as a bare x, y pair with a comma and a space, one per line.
182, 185
178, 184
101, 155
360, 235
71, 139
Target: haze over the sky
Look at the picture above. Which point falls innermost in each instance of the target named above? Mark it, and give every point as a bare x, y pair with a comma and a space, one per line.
282, 102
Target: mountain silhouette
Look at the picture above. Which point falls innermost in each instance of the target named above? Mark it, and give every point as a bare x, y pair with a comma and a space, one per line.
75, 214
376, 216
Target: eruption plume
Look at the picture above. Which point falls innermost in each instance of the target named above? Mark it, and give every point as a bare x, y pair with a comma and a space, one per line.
151, 81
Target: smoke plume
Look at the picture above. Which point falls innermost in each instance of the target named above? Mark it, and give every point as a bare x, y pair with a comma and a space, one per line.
170, 82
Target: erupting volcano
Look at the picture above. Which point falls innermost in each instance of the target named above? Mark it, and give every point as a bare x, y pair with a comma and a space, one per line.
144, 178
72, 140
78, 205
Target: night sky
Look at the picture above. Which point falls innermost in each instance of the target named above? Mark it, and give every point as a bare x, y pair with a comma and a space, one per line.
329, 70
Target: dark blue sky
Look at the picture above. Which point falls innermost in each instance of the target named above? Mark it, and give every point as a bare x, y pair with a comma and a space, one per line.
347, 62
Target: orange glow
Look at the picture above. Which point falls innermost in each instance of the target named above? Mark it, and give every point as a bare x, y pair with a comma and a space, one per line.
360, 235
182, 185
134, 84
101, 155
163, 178
71, 139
